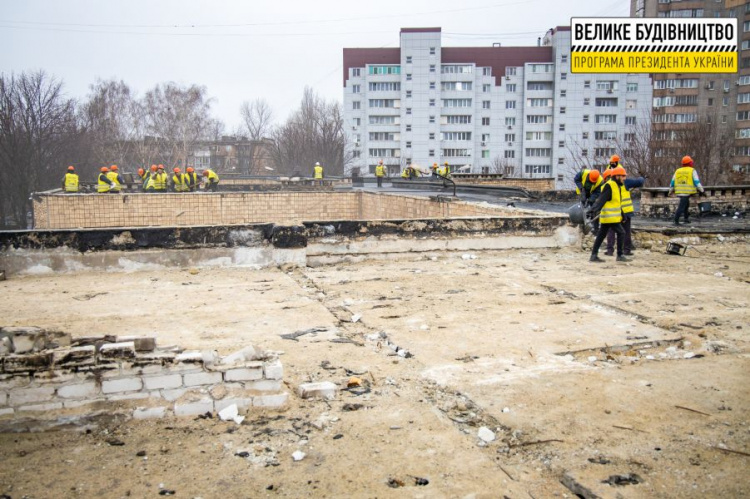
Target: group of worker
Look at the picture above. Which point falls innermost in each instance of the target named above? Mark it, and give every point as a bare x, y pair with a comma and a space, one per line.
154, 180
606, 197
436, 171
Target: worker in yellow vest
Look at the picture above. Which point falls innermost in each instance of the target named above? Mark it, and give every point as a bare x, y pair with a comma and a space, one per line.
609, 208
179, 181
148, 180
160, 179
192, 179
211, 180
70, 181
380, 173
318, 173
114, 175
445, 170
434, 171
103, 182
628, 212
685, 183
142, 177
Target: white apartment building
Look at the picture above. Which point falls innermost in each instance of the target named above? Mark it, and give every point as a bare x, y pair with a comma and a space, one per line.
513, 110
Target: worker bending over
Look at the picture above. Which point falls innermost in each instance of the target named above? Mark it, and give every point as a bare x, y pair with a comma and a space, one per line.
211, 180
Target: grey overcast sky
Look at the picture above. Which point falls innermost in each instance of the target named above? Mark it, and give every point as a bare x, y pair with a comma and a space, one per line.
244, 49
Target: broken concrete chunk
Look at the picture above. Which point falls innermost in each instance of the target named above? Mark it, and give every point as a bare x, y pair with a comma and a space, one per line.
298, 455
229, 413
239, 357
485, 434
6, 346
29, 362
75, 356
323, 389
142, 343
25, 339
125, 350
189, 358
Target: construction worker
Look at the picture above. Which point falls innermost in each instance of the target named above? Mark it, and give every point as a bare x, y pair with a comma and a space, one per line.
434, 169
142, 176
192, 179
148, 179
614, 161
380, 173
179, 181
211, 180
70, 181
628, 212
685, 183
114, 175
103, 182
590, 187
445, 171
318, 173
609, 209
160, 179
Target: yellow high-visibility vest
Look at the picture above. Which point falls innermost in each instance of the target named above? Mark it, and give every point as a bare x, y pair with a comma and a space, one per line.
683, 181
612, 210
583, 180
114, 177
160, 181
179, 182
213, 178
103, 183
319, 172
71, 182
625, 201
380, 171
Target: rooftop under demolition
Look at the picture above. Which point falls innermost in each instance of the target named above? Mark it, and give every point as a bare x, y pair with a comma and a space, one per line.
465, 353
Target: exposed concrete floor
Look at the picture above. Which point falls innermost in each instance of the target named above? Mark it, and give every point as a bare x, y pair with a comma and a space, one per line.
489, 337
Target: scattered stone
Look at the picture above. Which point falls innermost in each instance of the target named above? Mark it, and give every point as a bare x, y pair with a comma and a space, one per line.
485, 434
140, 453
592, 358
115, 442
323, 389
506, 409
167, 492
351, 407
356, 317
599, 460
243, 453
688, 355
193, 271
338, 436
421, 481
626, 479
718, 274
298, 455
395, 483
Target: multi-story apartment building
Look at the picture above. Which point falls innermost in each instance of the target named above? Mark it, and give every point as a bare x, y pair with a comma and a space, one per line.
721, 100
513, 110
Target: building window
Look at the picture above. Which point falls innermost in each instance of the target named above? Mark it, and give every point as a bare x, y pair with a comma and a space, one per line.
725, 101
432, 85
563, 93
486, 104
631, 104
586, 101
432, 68
485, 121
510, 104
561, 143
487, 71
408, 94
510, 71
539, 169
385, 86
408, 76
408, 128
356, 71
510, 87
509, 154
431, 153
538, 152
560, 161
587, 84
485, 137
563, 57
632, 87
630, 120
356, 89
356, 104
561, 127
357, 154
432, 50
432, 119
585, 135
710, 101
432, 136
510, 137
562, 110
537, 119
510, 121
563, 76
605, 118
584, 152
408, 110
456, 102
432, 102
486, 88
408, 59
485, 153
408, 145
385, 70
357, 121
585, 118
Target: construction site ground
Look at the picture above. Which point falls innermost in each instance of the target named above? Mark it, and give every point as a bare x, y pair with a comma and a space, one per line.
621, 379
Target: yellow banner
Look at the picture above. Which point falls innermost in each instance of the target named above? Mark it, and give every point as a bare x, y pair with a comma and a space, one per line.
653, 62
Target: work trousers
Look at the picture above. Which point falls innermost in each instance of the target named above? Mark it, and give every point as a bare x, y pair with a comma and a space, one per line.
682, 209
380, 181
603, 231
628, 245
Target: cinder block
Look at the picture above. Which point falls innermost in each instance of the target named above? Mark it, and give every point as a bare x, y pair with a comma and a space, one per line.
25, 339
277, 400
124, 350
149, 412
159, 382
3, 399
203, 378
266, 385
75, 356
129, 396
172, 395
324, 389
6, 411
21, 396
242, 403
54, 376
81, 390
26, 363
121, 385
8, 381
142, 343
243, 374
273, 370
52, 406
73, 404
194, 408
189, 357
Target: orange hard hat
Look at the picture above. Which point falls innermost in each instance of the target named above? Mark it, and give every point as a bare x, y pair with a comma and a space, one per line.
687, 160
161, 167
606, 173
190, 169
104, 169
71, 168
141, 171
594, 175
153, 168
205, 173
176, 170
618, 171
614, 159
113, 168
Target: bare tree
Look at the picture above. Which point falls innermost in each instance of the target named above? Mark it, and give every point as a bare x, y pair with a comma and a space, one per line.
314, 133
504, 166
39, 136
257, 119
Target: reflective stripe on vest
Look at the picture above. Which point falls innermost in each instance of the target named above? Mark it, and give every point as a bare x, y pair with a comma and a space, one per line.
114, 177
192, 179
318, 172
596, 185
71, 182
625, 201
103, 183
612, 210
683, 181
379, 171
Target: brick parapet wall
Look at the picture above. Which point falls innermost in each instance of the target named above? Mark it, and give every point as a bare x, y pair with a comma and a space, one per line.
531, 184
53, 373
78, 211
723, 199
